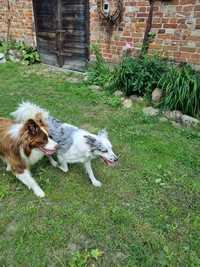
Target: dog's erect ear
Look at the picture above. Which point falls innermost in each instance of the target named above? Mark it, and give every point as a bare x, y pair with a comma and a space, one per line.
39, 119
32, 127
103, 133
90, 140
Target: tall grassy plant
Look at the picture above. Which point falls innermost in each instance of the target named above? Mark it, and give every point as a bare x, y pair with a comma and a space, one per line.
98, 71
138, 75
181, 90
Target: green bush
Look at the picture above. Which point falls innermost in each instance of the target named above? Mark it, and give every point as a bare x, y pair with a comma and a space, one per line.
137, 75
98, 71
140, 76
29, 55
181, 90
5, 46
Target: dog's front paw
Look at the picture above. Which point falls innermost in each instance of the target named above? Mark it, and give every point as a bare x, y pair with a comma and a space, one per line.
8, 168
97, 183
64, 168
39, 193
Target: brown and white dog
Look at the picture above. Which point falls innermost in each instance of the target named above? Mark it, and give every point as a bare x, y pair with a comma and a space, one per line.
22, 145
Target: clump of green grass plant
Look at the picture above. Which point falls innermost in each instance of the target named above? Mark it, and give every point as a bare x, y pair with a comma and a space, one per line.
181, 89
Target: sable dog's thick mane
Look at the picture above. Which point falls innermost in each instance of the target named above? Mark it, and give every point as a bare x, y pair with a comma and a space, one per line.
22, 145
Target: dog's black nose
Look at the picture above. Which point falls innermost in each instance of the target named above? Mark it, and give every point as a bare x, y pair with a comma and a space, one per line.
115, 159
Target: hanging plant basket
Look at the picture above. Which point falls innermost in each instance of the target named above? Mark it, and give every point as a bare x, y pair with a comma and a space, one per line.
105, 13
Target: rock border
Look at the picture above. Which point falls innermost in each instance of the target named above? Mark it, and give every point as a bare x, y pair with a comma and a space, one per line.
2, 58
177, 118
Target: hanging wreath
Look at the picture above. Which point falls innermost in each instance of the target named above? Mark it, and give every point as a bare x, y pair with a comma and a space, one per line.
106, 15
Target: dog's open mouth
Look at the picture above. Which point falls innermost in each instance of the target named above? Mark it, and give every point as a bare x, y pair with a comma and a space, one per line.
109, 162
46, 151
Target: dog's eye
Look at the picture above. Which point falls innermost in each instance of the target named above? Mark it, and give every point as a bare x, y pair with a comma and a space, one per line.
104, 151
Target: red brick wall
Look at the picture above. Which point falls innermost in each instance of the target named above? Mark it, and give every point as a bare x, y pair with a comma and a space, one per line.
176, 24
21, 16
2, 19
131, 29
177, 28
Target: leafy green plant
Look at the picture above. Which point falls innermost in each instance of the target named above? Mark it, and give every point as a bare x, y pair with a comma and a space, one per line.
84, 258
5, 46
111, 100
137, 75
181, 90
98, 72
29, 55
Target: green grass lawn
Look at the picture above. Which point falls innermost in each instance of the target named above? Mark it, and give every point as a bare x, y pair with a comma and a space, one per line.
145, 214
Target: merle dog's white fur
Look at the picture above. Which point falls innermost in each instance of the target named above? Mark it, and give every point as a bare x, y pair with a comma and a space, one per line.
75, 145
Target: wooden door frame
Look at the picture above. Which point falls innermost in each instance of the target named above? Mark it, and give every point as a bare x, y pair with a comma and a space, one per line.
35, 21
87, 29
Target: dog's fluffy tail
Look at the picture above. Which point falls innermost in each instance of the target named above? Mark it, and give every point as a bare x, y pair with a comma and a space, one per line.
27, 110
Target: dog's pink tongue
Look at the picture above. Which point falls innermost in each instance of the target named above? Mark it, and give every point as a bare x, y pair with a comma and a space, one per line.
108, 162
47, 151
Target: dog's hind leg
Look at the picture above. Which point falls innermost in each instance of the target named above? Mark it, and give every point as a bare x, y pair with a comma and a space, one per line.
63, 164
90, 173
53, 162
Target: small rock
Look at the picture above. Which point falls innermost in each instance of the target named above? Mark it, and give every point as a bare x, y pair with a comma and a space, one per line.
156, 95
163, 119
150, 111
94, 87
136, 98
174, 115
176, 124
14, 55
74, 79
2, 58
189, 121
118, 93
85, 79
127, 103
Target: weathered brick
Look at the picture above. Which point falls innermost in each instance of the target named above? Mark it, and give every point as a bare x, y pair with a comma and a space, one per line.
187, 49
161, 31
187, 2
197, 8
177, 23
170, 25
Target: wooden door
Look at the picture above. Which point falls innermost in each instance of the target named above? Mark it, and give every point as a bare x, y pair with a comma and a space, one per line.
62, 32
